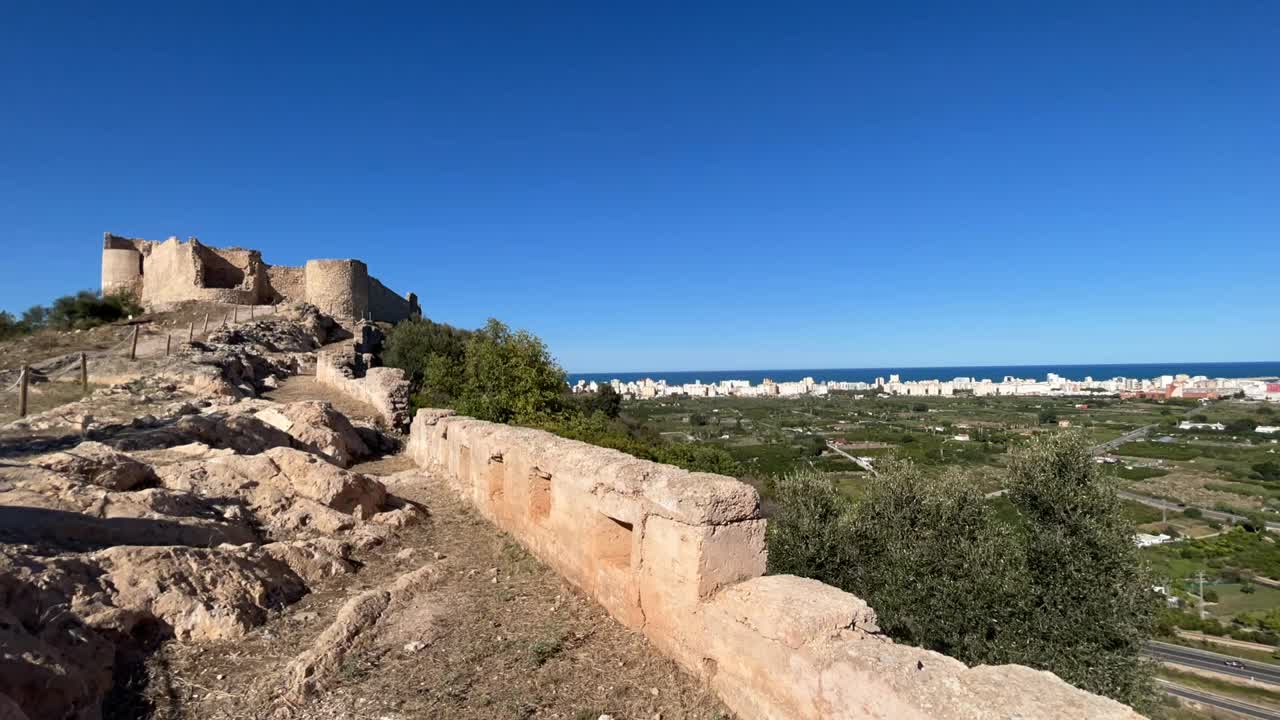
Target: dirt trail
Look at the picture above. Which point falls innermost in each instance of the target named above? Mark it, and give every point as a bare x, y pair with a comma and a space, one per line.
496, 634
501, 636
305, 387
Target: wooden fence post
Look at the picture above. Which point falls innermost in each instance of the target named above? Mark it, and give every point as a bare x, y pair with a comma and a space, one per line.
133, 346
84, 374
168, 344
235, 313
191, 333
250, 312
206, 322
23, 380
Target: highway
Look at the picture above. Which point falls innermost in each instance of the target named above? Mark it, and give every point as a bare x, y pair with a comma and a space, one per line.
1243, 709
856, 461
1130, 436
1175, 507
1206, 660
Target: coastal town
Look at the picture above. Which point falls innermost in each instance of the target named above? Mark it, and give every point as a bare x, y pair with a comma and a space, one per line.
1163, 387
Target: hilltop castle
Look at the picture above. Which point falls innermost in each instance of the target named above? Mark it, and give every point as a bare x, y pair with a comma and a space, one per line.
162, 273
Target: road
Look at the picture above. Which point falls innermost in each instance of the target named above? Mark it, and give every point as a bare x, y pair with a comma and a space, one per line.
856, 461
1243, 709
1206, 660
1130, 436
1175, 507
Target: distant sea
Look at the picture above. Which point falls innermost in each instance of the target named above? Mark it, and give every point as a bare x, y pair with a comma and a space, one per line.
994, 372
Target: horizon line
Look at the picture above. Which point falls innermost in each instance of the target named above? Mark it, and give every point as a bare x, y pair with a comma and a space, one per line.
929, 367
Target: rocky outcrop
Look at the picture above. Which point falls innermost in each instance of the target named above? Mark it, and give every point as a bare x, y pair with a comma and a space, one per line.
313, 668
93, 462
317, 427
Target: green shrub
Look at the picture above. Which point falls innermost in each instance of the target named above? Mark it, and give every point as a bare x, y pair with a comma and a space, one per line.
81, 311
1057, 585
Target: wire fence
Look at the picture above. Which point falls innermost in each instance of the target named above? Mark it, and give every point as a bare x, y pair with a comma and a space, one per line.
137, 345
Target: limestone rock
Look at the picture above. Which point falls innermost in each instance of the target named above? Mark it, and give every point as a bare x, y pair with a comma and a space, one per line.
329, 485
243, 433
316, 426
198, 594
93, 462
312, 560
310, 670
63, 671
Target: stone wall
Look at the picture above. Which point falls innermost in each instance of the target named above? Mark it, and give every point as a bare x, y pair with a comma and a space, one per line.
286, 283
340, 288
387, 306
680, 557
174, 271
121, 271
384, 389
162, 274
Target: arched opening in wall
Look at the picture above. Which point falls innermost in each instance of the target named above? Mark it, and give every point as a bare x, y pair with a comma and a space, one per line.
539, 495
495, 476
611, 541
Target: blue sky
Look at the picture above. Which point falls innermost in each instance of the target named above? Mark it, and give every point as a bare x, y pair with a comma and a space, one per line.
655, 186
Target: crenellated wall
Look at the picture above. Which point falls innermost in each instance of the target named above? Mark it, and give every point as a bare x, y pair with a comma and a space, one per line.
680, 557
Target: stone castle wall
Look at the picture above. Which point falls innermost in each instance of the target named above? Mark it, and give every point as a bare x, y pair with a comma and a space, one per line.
162, 274
384, 389
680, 557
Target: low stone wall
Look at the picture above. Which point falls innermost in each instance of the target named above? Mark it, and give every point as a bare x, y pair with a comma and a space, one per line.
384, 389
680, 557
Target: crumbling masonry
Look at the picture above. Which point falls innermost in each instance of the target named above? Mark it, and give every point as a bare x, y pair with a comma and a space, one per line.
161, 274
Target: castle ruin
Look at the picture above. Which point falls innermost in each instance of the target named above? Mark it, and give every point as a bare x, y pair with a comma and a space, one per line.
160, 274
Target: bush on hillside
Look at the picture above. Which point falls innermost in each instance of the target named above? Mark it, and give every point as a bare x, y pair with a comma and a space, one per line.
81, 311
1058, 585
412, 344
507, 376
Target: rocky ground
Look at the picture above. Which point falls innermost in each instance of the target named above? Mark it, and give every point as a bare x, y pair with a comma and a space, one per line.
207, 537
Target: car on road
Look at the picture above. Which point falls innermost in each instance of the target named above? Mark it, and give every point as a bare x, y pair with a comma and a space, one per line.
1233, 664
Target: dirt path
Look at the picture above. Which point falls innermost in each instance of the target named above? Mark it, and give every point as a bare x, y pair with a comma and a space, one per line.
501, 636
305, 387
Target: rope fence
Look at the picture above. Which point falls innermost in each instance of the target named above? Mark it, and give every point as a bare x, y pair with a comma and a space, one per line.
173, 341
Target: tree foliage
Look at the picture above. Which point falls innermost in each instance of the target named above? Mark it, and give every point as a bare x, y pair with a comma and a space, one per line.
1087, 605
80, 311
502, 375
412, 344
1060, 586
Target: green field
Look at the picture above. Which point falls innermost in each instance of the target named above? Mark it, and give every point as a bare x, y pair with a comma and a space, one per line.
772, 436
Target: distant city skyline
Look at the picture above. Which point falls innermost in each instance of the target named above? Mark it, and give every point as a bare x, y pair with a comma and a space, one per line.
684, 186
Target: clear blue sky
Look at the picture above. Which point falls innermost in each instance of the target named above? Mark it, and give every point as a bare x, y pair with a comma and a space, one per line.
663, 186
